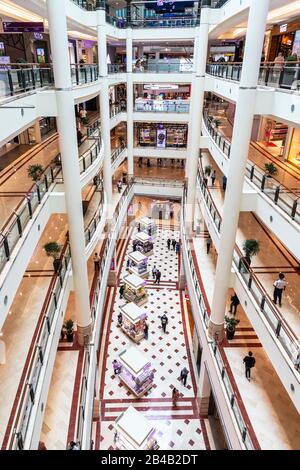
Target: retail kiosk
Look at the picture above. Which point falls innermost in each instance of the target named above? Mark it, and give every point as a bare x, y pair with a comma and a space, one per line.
134, 432
138, 264
133, 321
136, 372
135, 290
147, 225
143, 243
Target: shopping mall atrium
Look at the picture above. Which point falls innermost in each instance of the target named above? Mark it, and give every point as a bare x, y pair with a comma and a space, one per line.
150, 225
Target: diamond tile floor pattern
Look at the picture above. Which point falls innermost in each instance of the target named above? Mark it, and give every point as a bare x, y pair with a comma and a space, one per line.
177, 428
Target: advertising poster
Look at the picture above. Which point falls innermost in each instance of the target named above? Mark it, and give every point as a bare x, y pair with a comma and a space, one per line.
161, 138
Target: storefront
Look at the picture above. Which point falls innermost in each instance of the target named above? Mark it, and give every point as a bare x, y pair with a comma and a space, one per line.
136, 371
285, 38
134, 432
133, 321
161, 135
293, 147
273, 136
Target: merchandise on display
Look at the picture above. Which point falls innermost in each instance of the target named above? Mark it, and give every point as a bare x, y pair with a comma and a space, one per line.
148, 225
134, 432
133, 321
138, 264
136, 372
135, 290
143, 243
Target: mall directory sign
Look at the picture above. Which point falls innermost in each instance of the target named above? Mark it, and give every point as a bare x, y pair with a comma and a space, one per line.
23, 27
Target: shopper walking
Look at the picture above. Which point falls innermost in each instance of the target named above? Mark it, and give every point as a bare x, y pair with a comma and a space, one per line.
157, 277
224, 183
169, 243
96, 262
119, 186
175, 396
116, 366
213, 177
279, 286
146, 330
234, 304
208, 244
154, 271
174, 244
121, 291
183, 375
164, 321
177, 248
120, 319
249, 362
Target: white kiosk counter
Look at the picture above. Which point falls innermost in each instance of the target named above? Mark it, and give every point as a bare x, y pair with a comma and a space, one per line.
133, 321
138, 264
148, 225
134, 432
136, 372
135, 290
143, 243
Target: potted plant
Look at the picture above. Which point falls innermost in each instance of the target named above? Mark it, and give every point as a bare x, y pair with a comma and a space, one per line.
53, 249
69, 327
207, 170
231, 324
35, 171
250, 248
270, 170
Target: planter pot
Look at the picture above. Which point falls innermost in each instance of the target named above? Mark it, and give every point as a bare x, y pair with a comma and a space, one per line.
230, 333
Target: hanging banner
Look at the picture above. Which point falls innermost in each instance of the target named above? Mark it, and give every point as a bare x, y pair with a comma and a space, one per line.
161, 138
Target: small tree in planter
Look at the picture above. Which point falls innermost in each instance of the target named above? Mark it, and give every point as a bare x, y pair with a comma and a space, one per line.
35, 172
231, 324
270, 169
250, 248
69, 327
207, 170
53, 249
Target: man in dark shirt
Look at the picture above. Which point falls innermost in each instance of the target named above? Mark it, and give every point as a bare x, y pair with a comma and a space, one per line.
164, 321
249, 362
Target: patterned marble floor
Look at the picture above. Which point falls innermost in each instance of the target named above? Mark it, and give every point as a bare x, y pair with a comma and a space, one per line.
176, 428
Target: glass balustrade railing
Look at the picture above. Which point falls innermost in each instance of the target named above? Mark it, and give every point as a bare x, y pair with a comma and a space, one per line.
223, 374
15, 226
96, 219
16, 79
27, 398
281, 330
116, 68
165, 66
116, 109
89, 157
286, 199
271, 74
82, 74
162, 106
117, 152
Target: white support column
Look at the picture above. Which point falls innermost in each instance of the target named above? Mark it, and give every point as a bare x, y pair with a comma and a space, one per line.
102, 43
105, 132
238, 160
129, 103
204, 389
197, 99
70, 165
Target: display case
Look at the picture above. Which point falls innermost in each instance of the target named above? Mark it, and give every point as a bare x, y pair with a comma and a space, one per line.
136, 371
135, 290
134, 432
133, 321
143, 243
147, 225
138, 264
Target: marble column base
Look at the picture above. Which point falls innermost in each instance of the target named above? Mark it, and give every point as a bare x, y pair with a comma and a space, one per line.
216, 331
83, 334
